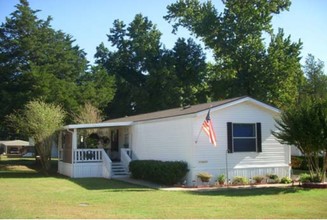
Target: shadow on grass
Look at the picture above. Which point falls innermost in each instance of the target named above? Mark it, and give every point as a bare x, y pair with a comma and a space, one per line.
28, 168
248, 192
110, 185
24, 168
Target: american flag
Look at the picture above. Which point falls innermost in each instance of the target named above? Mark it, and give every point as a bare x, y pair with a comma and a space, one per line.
208, 129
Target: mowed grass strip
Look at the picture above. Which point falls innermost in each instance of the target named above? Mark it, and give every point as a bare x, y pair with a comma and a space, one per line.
26, 194
54, 197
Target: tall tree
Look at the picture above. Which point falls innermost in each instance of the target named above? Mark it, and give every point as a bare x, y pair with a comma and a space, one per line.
236, 39
179, 79
37, 61
282, 76
190, 68
150, 77
138, 50
316, 80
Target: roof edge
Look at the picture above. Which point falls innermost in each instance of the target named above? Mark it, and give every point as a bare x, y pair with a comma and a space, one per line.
241, 100
97, 125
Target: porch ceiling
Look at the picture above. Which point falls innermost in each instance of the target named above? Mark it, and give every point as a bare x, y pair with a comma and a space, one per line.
98, 125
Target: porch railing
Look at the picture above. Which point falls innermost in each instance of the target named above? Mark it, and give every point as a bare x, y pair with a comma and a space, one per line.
88, 155
106, 165
125, 157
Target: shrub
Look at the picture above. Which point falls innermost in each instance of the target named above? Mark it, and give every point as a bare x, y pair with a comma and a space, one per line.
296, 162
286, 180
204, 176
273, 178
164, 172
258, 179
239, 180
305, 178
221, 179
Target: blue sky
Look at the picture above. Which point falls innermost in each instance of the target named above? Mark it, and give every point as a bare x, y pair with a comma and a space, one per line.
89, 21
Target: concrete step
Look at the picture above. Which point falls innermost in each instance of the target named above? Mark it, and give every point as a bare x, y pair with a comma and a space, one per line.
118, 170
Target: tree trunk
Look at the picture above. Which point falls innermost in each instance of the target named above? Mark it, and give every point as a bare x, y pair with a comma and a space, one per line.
44, 150
324, 169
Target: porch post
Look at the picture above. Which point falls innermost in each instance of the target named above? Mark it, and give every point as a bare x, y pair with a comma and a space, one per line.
74, 143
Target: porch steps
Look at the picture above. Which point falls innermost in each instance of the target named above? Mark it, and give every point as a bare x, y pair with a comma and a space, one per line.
118, 170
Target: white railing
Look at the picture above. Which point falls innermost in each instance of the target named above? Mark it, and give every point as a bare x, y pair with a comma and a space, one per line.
88, 155
106, 165
125, 157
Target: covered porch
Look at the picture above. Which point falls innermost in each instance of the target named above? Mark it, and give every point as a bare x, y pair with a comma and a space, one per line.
95, 150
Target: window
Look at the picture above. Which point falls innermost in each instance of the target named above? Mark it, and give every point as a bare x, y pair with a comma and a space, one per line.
244, 137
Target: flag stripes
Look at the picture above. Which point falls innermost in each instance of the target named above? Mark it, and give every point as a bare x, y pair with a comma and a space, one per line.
208, 129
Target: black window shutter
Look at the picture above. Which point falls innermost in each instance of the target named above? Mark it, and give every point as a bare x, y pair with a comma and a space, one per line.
259, 144
229, 137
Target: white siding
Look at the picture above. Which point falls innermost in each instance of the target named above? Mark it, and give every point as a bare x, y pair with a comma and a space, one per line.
174, 139
213, 159
167, 139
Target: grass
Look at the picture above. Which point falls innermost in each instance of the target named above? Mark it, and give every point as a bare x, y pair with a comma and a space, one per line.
27, 194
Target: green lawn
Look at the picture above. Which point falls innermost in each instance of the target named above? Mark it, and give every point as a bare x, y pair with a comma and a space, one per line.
28, 194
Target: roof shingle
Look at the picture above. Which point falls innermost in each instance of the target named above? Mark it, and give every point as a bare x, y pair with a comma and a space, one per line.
174, 112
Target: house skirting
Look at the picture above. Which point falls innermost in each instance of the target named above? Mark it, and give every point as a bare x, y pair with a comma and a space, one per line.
81, 170
280, 171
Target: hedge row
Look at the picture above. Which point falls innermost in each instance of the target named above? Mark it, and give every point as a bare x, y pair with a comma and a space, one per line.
163, 172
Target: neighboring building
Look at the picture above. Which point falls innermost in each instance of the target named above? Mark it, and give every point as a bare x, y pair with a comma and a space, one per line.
15, 148
245, 144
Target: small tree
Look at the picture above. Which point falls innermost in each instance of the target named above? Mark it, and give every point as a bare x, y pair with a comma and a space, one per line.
305, 126
88, 114
40, 121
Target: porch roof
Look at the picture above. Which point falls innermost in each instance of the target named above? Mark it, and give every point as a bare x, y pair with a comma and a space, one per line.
98, 125
16, 143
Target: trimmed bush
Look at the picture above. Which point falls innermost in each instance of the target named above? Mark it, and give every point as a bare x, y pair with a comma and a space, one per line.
258, 179
240, 180
164, 172
306, 178
204, 176
272, 178
286, 180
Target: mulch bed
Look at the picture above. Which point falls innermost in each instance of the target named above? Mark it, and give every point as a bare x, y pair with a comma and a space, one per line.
315, 185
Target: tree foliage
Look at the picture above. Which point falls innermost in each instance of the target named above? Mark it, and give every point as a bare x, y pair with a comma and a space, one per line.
148, 76
244, 65
40, 121
305, 126
37, 61
316, 80
88, 114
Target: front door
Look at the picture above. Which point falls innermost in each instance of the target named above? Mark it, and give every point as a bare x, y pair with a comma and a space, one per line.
114, 155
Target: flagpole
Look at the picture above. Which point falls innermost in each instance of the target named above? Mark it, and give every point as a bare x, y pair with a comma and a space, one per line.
227, 166
196, 140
